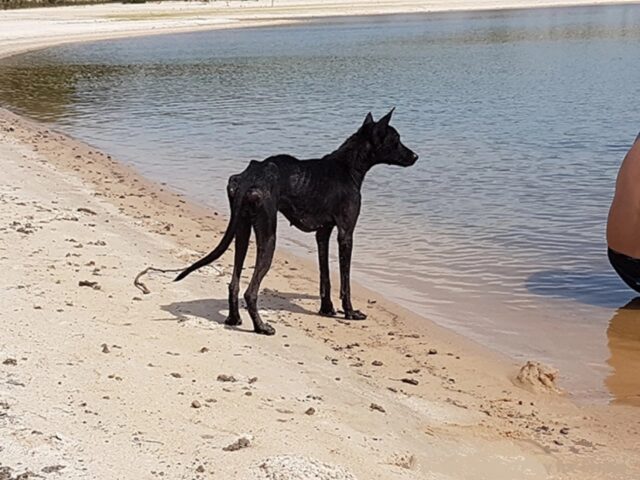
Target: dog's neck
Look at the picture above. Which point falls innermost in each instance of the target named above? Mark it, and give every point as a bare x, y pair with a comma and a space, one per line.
357, 156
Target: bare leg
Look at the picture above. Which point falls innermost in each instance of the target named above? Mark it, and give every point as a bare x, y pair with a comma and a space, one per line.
322, 238
243, 233
265, 230
345, 245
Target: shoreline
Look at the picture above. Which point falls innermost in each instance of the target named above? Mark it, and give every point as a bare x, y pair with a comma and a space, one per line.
248, 19
465, 392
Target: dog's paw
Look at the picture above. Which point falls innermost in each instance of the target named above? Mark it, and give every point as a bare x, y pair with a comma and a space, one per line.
328, 312
355, 315
266, 329
233, 321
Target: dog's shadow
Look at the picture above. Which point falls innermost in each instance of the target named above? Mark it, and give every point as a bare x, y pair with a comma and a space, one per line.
215, 310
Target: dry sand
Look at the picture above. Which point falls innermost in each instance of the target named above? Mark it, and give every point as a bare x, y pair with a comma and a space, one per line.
105, 382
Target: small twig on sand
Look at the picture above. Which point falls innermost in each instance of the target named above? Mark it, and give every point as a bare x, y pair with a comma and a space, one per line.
143, 288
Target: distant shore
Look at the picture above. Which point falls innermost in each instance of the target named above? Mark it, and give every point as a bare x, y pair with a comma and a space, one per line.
90, 368
28, 29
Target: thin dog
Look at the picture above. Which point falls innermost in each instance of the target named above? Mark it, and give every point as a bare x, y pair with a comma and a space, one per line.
315, 196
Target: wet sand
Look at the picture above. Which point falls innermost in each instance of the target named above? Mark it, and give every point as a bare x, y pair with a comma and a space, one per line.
90, 374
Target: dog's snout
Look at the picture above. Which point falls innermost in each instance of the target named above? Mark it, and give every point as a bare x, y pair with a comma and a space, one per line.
413, 158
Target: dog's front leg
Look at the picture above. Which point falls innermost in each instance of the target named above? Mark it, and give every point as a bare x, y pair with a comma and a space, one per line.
345, 245
322, 238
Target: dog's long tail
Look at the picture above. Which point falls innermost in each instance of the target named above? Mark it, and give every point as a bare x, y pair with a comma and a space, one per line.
229, 234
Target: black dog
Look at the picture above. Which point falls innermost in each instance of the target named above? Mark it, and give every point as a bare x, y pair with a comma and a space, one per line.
315, 196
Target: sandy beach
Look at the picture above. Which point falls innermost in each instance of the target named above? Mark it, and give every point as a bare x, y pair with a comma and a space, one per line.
99, 380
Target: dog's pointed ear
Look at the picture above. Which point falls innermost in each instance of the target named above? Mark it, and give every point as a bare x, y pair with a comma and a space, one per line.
367, 125
368, 120
384, 121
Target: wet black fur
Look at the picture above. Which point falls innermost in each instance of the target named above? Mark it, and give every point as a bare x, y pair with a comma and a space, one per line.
315, 196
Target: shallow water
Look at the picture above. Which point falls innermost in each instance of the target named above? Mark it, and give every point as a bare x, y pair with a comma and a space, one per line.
521, 120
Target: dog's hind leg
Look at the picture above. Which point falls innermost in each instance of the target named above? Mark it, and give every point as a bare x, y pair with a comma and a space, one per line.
264, 226
243, 233
322, 238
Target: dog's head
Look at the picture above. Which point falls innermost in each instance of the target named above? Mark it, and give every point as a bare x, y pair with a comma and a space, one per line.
385, 142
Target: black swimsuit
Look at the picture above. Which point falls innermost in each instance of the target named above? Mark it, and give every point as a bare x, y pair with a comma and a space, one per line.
627, 267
